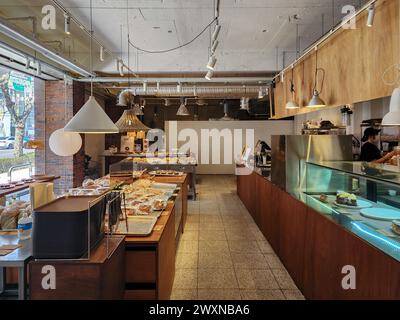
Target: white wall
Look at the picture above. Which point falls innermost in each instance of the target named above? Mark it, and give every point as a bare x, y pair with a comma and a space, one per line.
262, 130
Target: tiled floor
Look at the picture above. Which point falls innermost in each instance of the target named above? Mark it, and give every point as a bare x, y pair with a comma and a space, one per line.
223, 254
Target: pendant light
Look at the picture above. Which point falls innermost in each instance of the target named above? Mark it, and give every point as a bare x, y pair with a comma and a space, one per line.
91, 118
183, 111
393, 117
316, 101
137, 109
291, 104
62, 143
129, 122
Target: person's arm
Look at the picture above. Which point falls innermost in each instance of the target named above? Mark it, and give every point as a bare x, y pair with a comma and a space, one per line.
386, 158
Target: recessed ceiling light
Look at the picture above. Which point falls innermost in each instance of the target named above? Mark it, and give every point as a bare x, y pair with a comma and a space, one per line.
169, 31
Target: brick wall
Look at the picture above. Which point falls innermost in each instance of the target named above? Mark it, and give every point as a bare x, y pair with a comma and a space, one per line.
60, 103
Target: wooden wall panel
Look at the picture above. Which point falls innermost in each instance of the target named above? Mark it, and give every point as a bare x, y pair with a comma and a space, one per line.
354, 61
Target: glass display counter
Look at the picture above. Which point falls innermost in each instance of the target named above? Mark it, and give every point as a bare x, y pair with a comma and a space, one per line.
364, 198
162, 166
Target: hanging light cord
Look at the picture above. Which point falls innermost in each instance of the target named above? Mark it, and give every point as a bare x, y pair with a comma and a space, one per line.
91, 44
178, 47
316, 74
292, 83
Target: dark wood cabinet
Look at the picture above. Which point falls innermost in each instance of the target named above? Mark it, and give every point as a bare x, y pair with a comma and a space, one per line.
100, 277
314, 248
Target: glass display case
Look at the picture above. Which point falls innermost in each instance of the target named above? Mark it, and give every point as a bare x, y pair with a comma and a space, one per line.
364, 198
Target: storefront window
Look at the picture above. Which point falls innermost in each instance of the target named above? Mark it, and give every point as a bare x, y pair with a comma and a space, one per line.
17, 125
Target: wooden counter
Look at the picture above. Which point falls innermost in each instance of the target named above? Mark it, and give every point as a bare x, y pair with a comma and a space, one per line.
101, 277
150, 261
5, 192
314, 248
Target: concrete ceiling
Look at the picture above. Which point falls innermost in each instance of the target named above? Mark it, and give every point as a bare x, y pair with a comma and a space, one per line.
256, 35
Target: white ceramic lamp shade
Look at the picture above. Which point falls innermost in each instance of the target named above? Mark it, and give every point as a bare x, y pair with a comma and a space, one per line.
393, 117
64, 143
91, 118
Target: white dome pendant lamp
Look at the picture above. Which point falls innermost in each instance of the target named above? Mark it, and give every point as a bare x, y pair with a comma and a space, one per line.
393, 117
91, 118
64, 143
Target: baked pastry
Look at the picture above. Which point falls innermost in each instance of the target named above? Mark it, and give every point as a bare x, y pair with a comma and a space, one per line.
352, 200
347, 199
323, 198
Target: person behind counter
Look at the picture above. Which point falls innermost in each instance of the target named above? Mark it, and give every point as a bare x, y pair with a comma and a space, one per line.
370, 152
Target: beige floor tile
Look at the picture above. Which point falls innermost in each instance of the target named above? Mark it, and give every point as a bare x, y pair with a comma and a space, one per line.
213, 246
184, 294
188, 246
211, 235
210, 219
256, 279
215, 226
217, 279
293, 295
249, 261
209, 212
262, 295
185, 279
186, 260
265, 247
209, 260
193, 218
192, 226
219, 294
190, 235
284, 280
237, 234
240, 246
273, 261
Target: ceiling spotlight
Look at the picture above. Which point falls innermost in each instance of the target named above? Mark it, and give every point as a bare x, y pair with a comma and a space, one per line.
282, 76
101, 53
28, 63
214, 46
260, 93
67, 24
209, 75
167, 102
216, 32
211, 63
194, 91
158, 86
121, 68
179, 88
38, 68
144, 86
371, 15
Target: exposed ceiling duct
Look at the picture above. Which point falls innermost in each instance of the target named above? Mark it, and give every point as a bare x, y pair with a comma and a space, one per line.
126, 95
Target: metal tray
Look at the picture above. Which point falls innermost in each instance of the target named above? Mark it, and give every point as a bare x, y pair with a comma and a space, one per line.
139, 226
